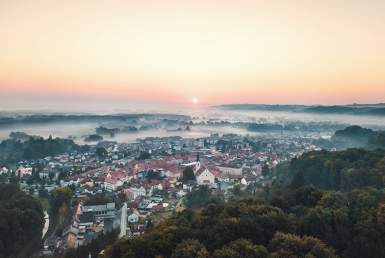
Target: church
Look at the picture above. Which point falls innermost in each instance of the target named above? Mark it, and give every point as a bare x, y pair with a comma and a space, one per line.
202, 175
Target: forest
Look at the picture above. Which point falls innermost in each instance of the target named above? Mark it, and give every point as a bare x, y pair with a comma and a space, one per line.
12, 150
322, 204
21, 219
337, 170
306, 222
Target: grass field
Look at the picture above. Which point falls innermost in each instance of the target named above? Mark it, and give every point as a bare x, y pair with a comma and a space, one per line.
180, 205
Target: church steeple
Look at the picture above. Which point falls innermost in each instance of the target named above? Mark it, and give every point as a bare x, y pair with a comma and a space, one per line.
198, 164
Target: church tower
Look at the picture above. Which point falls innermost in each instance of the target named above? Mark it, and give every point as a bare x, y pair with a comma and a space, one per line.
198, 164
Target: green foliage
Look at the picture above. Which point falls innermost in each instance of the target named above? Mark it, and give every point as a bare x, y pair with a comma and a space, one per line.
288, 245
352, 136
14, 180
298, 181
338, 170
101, 152
302, 222
197, 198
241, 248
144, 155
377, 139
226, 228
237, 191
60, 195
265, 170
21, 218
43, 193
190, 248
151, 174
188, 174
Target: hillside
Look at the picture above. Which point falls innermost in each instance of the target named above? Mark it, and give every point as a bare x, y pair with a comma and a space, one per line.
306, 222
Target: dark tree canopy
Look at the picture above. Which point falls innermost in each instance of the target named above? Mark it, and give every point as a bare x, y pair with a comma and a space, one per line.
265, 170
298, 181
188, 174
21, 218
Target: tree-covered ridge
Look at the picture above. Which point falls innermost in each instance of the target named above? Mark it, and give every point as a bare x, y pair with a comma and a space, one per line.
21, 218
12, 150
338, 170
306, 222
236, 229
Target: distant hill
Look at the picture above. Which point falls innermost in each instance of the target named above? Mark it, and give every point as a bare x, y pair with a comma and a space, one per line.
261, 107
336, 110
352, 109
354, 134
373, 112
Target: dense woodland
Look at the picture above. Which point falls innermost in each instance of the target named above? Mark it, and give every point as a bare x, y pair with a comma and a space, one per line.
338, 170
21, 219
305, 222
322, 204
13, 150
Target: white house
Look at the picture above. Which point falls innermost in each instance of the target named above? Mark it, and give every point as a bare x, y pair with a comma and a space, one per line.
133, 215
138, 191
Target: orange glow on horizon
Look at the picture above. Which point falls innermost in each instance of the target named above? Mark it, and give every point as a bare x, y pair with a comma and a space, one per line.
230, 52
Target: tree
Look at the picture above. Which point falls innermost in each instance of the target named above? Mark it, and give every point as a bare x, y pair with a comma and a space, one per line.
241, 248
288, 245
265, 170
60, 195
51, 176
43, 193
190, 248
61, 215
198, 197
298, 181
21, 219
188, 174
29, 180
31, 190
237, 191
144, 155
14, 180
101, 152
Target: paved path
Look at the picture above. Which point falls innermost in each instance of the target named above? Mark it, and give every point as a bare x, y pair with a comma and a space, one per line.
123, 220
46, 224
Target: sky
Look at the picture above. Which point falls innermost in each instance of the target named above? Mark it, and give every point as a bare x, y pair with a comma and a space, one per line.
129, 54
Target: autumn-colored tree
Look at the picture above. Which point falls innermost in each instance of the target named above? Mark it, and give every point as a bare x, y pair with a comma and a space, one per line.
62, 215
190, 248
60, 195
288, 245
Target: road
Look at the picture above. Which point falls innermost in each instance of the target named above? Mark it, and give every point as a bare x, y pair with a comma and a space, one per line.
123, 220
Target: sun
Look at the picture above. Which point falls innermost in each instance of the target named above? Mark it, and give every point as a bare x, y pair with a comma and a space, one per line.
195, 101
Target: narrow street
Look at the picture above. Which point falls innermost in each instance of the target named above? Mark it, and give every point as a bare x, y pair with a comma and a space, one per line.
122, 216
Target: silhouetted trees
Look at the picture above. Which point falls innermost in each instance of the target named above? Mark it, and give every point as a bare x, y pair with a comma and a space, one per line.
21, 218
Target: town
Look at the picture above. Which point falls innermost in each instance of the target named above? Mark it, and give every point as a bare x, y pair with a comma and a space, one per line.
128, 185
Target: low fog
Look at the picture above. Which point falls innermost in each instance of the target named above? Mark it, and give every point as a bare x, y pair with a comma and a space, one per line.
157, 127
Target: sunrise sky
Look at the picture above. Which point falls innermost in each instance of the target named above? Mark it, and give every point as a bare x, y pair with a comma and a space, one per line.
78, 53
